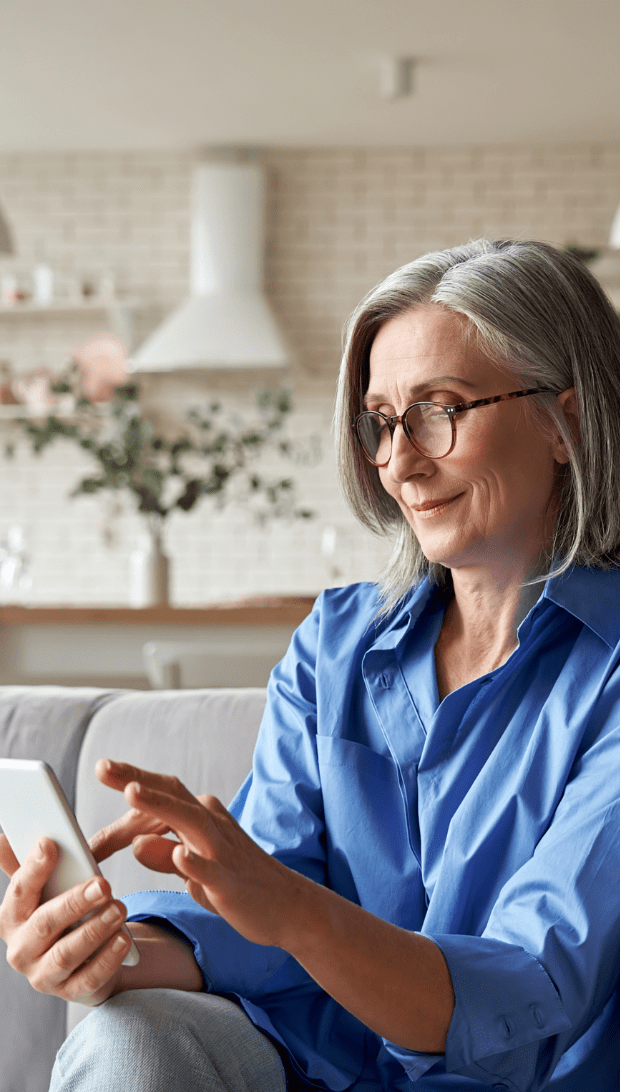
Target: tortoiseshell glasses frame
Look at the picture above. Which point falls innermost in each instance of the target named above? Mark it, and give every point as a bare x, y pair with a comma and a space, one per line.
429, 419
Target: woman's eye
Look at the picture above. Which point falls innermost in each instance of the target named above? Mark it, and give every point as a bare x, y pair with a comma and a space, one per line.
445, 398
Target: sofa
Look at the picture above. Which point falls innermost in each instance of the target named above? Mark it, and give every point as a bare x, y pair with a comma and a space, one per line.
205, 737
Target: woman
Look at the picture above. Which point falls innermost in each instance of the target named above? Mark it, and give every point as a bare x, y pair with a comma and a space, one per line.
418, 882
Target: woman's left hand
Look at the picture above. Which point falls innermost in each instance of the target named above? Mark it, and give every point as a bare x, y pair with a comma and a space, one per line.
224, 870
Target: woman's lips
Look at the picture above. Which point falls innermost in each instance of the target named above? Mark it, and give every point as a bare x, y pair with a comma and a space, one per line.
432, 508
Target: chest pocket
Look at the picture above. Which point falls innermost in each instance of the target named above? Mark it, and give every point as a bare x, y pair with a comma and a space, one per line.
369, 856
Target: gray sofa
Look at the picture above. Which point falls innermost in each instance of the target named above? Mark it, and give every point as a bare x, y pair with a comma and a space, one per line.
206, 737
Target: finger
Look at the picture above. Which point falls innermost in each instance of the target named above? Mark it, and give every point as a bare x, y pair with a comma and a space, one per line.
197, 873
189, 820
36, 936
197, 892
120, 774
122, 832
74, 949
90, 980
156, 853
27, 882
8, 861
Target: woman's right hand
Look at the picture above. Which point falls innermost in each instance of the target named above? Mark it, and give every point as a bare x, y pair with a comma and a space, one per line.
78, 964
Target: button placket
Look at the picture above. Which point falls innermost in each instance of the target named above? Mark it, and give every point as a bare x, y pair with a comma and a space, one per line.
401, 728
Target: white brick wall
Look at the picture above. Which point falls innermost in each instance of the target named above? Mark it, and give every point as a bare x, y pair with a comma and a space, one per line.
338, 221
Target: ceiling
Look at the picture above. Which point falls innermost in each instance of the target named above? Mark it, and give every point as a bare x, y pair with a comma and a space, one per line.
140, 74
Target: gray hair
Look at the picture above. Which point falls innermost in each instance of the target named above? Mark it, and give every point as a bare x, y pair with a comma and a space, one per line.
538, 313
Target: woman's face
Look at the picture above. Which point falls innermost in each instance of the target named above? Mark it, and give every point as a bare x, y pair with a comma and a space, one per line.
488, 503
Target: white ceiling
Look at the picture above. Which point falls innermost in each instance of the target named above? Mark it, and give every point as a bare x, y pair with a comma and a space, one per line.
139, 74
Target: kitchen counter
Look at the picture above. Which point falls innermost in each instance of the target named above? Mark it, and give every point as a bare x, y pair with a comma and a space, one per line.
102, 646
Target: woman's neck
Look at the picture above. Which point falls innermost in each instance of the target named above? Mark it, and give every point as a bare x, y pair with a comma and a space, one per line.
479, 630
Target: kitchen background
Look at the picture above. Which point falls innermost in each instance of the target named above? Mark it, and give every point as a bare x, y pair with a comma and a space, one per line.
385, 128
337, 221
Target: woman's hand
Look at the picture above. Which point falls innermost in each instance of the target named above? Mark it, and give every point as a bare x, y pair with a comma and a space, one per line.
223, 869
394, 981
77, 964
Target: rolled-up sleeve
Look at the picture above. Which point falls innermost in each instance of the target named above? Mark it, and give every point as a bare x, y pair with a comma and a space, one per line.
227, 960
548, 962
506, 1007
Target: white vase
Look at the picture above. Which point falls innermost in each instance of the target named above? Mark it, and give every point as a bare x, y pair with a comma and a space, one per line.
149, 572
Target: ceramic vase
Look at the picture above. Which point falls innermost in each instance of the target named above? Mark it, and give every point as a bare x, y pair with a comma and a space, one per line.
149, 570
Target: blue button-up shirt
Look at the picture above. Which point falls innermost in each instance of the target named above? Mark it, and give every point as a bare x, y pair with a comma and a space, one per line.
489, 821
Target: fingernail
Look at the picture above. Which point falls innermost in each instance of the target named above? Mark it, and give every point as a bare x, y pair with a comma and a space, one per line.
93, 891
40, 850
120, 941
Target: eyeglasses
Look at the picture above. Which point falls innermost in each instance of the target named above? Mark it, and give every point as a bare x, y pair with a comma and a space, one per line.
429, 426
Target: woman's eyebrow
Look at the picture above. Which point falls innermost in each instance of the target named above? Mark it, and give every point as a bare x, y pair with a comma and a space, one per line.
435, 381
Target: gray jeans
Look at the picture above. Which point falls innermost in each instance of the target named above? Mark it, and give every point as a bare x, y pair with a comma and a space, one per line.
167, 1041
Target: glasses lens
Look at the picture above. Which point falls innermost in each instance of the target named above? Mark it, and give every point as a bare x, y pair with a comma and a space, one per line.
375, 437
430, 428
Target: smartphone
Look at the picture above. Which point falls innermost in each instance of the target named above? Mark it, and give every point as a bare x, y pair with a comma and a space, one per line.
32, 804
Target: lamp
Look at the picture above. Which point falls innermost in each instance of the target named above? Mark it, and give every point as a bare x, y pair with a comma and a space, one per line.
6, 241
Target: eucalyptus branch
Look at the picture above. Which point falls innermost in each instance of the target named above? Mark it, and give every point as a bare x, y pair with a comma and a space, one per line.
211, 456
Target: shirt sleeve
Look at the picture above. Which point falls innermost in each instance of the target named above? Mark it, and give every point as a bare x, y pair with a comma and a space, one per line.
546, 967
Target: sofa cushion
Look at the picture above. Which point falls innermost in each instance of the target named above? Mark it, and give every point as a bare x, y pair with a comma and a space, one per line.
205, 737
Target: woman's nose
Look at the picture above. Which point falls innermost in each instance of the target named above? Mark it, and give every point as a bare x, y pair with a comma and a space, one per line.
405, 460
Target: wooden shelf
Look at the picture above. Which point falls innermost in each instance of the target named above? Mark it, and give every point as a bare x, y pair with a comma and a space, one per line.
268, 611
65, 308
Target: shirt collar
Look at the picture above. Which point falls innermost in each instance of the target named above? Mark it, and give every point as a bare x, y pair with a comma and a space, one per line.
592, 596
424, 597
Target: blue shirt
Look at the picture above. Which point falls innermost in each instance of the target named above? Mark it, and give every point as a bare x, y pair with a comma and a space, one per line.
490, 822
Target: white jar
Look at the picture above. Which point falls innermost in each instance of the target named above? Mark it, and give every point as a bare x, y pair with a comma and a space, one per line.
149, 571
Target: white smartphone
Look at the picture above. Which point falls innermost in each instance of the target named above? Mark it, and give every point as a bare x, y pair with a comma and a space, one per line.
32, 804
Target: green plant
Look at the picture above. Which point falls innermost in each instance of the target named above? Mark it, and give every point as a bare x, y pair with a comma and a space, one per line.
216, 455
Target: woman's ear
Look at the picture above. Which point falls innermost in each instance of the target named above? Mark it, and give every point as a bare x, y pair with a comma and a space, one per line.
570, 407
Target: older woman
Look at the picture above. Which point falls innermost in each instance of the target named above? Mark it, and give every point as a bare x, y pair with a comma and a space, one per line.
419, 881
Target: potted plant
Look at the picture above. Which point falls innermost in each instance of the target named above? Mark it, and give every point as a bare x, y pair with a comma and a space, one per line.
215, 456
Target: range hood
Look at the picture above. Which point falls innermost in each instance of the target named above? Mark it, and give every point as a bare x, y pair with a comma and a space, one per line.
226, 322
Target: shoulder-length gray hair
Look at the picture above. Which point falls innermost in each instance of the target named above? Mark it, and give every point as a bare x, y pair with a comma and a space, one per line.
538, 313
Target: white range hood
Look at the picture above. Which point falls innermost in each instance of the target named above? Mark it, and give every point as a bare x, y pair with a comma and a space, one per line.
226, 322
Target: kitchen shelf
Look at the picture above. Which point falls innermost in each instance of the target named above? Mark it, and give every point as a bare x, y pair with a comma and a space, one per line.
266, 611
26, 307
119, 313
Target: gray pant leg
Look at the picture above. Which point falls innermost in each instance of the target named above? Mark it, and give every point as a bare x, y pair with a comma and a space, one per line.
167, 1041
